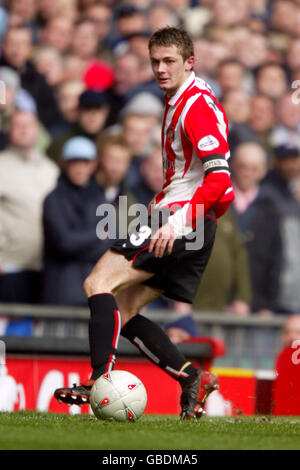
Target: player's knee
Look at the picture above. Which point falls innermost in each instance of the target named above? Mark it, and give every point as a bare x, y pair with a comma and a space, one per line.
92, 285
87, 286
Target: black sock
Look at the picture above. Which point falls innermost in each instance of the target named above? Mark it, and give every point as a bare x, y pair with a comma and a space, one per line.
104, 332
156, 345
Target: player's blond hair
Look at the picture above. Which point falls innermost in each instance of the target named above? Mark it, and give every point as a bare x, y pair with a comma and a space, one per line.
170, 36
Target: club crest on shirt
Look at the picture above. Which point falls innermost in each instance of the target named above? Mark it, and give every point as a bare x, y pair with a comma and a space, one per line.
171, 133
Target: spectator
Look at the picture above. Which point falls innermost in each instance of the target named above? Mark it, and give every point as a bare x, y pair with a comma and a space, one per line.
68, 93
17, 98
58, 33
271, 80
226, 282
217, 51
92, 114
114, 160
279, 185
237, 104
140, 122
257, 216
49, 9
161, 14
74, 67
230, 12
151, 177
261, 122
101, 15
293, 54
127, 78
49, 62
137, 43
12, 85
286, 132
181, 329
253, 50
27, 177
22, 12
69, 220
291, 330
283, 14
85, 41
231, 75
17, 52
129, 20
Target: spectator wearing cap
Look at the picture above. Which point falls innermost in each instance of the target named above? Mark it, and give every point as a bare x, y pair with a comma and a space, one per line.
93, 110
282, 185
69, 219
140, 120
27, 176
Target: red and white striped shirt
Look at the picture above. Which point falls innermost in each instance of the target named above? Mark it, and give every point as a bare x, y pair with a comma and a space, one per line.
195, 153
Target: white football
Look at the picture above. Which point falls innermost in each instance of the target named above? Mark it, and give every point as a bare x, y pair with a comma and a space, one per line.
119, 396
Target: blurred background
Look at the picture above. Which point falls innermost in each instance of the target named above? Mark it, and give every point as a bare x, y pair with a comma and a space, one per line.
80, 119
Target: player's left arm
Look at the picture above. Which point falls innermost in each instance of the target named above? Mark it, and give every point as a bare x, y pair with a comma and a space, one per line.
206, 126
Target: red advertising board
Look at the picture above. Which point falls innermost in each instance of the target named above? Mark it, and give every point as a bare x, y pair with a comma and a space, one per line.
286, 395
29, 383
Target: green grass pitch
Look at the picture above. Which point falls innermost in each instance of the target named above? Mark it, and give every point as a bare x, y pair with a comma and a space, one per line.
48, 431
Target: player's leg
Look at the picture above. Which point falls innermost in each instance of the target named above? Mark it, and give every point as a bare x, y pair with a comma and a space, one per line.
153, 342
132, 299
149, 337
111, 274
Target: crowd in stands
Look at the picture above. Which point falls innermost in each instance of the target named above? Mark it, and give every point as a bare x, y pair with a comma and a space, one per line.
80, 123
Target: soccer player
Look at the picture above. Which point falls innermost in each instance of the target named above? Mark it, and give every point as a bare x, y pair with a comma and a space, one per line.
136, 271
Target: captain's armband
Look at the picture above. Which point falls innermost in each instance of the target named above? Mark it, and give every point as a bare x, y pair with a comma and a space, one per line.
215, 163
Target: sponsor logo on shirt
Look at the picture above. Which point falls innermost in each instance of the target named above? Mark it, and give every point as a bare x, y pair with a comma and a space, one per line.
209, 142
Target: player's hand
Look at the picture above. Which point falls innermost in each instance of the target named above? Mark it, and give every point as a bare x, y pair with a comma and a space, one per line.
163, 238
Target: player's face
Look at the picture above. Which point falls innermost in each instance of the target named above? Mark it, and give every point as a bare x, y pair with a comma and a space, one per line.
169, 68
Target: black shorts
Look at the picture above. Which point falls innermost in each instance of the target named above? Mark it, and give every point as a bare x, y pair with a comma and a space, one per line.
178, 274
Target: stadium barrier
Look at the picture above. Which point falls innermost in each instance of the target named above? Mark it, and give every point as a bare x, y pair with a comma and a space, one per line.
251, 342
